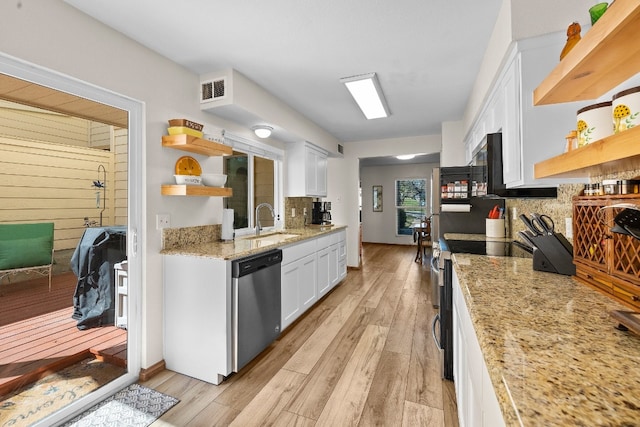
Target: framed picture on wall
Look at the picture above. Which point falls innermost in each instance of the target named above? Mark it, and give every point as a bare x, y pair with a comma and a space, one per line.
377, 198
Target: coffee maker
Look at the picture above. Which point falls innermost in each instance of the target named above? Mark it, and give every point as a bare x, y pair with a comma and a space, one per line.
321, 213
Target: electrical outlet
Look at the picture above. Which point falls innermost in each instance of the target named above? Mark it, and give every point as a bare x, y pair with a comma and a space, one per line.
163, 221
514, 213
293, 212
568, 222
304, 211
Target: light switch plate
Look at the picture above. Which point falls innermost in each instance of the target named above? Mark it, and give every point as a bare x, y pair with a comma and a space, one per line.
569, 227
163, 221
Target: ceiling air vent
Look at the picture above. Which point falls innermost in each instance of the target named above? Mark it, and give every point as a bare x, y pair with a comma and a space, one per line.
212, 89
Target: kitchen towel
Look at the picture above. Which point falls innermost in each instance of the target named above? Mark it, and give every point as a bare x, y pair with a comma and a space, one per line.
456, 208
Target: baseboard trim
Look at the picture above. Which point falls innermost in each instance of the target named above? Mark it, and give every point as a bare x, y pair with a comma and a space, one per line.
151, 371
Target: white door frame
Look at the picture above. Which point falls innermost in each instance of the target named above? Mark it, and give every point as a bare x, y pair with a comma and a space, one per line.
15, 67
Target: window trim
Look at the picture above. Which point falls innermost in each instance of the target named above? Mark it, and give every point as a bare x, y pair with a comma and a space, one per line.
254, 148
397, 207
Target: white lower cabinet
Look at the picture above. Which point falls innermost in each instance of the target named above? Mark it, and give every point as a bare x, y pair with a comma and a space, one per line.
476, 398
298, 280
324, 265
309, 271
197, 317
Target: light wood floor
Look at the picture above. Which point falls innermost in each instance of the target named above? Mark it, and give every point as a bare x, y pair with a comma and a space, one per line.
363, 356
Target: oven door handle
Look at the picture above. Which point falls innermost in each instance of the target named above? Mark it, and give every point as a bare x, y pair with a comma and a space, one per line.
434, 265
436, 320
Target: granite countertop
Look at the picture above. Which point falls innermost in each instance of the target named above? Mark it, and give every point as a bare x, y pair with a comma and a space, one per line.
552, 350
189, 241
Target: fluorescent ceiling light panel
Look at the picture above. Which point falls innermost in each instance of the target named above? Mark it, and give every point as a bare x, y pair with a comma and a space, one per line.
366, 90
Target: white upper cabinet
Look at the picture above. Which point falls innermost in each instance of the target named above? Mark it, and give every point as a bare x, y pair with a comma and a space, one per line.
306, 170
529, 133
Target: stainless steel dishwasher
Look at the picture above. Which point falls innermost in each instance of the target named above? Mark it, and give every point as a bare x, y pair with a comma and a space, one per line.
256, 305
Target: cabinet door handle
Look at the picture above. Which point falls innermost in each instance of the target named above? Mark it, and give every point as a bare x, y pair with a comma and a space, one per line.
436, 320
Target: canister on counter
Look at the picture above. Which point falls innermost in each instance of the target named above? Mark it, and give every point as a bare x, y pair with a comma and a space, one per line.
594, 123
626, 109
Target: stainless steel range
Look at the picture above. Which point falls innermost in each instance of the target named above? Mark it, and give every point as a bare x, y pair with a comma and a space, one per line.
442, 325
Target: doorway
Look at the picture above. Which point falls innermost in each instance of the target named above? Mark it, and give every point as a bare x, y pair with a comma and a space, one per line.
96, 102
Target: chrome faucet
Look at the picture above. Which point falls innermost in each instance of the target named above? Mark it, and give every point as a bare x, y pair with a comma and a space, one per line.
273, 214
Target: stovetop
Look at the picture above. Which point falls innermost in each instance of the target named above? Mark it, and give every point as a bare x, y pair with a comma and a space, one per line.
483, 247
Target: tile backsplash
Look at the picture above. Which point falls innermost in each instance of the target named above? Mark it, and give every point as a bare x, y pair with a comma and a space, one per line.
299, 204
558, 209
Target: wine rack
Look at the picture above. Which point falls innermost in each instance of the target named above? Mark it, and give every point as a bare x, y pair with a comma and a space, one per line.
604, 259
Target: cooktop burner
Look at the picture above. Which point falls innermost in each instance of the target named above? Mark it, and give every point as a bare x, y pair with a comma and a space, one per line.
482, 247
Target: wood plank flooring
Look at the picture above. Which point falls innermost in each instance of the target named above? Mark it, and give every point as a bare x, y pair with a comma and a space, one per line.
38, 335
363, 356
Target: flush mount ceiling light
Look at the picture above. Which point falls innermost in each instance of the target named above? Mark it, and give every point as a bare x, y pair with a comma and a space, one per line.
406, 157
262, 131
366, 90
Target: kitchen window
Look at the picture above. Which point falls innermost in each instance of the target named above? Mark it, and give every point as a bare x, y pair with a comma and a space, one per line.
410, 204
254, 173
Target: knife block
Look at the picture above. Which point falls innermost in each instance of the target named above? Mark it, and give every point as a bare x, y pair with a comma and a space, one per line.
554, 254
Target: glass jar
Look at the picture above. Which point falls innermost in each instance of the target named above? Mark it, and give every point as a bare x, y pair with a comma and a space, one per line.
464, 189
629, 186
609, 187
592, 189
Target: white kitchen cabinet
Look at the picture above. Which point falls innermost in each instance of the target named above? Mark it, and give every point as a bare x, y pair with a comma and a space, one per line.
511, 142
476, 399
324, 281
342, 255
309, 271
529, 134
197, 317
532, 133
329, 269
306, 167
298, 280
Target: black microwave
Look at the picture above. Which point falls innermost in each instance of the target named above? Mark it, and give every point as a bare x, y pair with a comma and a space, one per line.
488, 156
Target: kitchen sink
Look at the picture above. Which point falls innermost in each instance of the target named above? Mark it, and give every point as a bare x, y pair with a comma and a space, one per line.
272, 238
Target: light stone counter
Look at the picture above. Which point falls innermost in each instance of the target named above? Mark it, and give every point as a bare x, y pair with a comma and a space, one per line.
204, 241
551, 348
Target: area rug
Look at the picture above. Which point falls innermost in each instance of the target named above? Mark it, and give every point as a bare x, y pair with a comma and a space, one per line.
53, 392
134, 406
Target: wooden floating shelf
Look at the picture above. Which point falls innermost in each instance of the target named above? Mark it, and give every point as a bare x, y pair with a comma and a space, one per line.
195, 190
614, 153
196, 145
607, 55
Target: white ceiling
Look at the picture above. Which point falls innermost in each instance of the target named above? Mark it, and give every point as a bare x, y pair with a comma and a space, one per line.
426, 52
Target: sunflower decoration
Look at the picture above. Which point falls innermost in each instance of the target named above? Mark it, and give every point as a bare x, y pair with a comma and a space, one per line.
582, 133
619, 113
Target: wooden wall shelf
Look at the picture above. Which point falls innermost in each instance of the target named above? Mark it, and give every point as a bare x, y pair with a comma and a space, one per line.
614, 153
196, 145
607, 55
195, 190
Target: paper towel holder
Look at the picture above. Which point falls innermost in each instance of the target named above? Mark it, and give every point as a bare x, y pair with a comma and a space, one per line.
227, 233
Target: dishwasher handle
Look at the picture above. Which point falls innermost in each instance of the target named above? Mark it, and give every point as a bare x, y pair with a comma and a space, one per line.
247, 265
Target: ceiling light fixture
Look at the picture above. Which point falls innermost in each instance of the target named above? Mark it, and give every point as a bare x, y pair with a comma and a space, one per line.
406, 157
366, 90
262, 131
